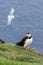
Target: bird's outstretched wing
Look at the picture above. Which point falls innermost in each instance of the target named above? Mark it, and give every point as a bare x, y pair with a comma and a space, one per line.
12, 11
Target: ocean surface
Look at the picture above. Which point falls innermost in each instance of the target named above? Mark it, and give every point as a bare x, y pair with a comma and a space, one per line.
28, 18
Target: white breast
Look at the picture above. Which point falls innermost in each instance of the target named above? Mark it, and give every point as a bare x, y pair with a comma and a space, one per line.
28, 42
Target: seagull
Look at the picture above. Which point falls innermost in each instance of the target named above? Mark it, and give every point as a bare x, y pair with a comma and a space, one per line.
26, 41
11, 16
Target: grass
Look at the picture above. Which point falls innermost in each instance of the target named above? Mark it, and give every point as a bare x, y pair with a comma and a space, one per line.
10, 54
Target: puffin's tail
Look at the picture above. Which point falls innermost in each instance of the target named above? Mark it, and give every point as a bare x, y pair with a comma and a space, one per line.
17, 43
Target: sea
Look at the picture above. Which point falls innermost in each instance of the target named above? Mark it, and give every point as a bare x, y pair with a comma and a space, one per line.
28, 18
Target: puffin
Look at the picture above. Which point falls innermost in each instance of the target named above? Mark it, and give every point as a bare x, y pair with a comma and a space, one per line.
1, 41
26, 41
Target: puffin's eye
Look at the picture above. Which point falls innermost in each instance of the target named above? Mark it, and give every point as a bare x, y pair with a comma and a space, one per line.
30, 37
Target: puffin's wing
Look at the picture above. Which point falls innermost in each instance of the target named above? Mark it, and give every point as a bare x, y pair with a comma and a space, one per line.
22, 42
23, 39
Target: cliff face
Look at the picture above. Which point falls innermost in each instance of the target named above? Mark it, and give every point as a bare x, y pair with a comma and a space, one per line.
11, 54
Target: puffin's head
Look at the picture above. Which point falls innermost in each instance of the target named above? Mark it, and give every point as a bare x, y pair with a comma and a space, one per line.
28, 35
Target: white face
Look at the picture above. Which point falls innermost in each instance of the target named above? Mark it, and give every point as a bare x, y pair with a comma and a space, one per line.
28, 35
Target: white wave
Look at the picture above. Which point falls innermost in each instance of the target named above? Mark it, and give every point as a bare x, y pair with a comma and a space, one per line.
11, 16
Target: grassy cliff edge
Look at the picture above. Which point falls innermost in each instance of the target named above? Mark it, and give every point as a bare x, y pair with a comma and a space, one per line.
10, 54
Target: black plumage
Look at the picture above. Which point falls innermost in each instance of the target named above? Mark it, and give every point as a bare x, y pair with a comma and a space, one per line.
22, 42
1, 41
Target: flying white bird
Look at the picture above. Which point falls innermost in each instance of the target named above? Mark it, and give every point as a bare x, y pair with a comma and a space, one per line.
10, 16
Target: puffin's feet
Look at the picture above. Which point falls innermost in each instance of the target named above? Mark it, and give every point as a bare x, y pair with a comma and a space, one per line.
27, 48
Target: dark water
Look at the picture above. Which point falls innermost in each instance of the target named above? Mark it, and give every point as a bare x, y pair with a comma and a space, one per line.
28, 18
